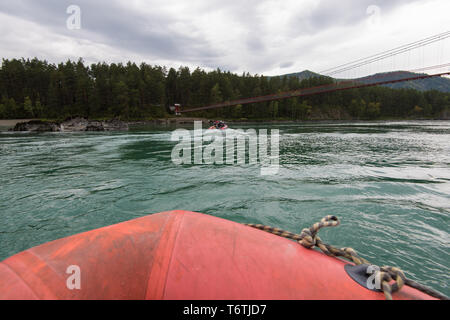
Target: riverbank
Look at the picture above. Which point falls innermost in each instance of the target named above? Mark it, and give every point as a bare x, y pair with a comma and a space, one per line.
76, 124
9, 124
6, 125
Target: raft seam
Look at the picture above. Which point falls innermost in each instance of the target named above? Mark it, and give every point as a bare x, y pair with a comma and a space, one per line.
172, 250
167, 244
153, 262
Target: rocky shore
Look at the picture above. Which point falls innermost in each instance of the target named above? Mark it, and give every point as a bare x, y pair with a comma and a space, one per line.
71, 125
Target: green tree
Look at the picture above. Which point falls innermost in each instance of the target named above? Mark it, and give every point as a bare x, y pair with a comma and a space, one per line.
12, 109
39, 108
105, 90
172, 87
237, 111
273, 109
373, 110
184, 86
216, 94
357, 108
2, 111
121, 107
28, 107
304, 110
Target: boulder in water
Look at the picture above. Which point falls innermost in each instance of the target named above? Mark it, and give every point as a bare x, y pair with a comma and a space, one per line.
72, 125
37, 126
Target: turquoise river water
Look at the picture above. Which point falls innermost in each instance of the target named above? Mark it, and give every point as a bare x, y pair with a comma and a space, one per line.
388, 182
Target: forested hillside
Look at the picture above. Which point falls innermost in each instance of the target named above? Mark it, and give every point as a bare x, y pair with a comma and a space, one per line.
38, 89
438, 83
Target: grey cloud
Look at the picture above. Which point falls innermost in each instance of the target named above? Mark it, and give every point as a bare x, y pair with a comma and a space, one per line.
152, 34
111, 23
255, 44
330, 13
285, 65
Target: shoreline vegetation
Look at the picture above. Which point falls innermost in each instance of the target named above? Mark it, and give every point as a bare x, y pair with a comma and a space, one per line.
78, 124
36, 89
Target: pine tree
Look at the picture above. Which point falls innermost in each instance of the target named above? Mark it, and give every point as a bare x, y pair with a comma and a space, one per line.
12, 109
40, 89
2, 111
39, 109
53, 110
216, 94
172, 87
121, 106
28, 107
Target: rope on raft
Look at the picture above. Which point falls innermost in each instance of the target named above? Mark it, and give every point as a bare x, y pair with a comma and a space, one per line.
392, 279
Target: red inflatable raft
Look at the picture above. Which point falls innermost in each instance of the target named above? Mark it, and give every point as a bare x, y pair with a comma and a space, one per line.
181, 255
214, 128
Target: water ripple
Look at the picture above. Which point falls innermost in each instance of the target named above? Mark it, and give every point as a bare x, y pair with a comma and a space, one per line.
389, 182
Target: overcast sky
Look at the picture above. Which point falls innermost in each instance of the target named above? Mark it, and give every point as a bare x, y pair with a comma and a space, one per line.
258, 36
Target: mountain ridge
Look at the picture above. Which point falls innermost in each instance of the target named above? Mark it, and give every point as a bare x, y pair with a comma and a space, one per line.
441, 84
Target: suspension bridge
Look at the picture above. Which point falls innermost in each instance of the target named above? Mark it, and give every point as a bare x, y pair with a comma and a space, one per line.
387, 77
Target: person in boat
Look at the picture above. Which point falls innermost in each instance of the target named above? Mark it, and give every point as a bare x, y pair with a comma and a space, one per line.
217, 124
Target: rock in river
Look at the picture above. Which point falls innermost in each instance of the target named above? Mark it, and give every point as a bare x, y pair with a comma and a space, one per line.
72, 125
37, 126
